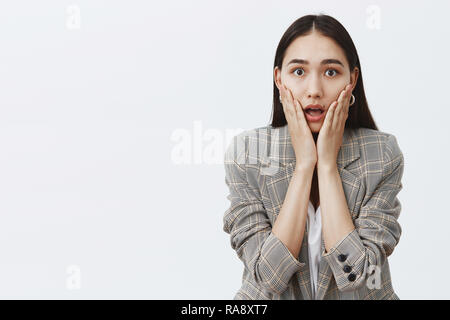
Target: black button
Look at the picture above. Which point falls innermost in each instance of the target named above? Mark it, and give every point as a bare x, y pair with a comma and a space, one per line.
347, 269
351, 277
342, 257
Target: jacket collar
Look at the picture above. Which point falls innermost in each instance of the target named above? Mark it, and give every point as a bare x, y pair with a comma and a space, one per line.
348, 153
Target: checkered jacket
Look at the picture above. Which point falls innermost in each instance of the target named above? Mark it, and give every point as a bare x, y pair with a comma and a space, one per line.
259, 164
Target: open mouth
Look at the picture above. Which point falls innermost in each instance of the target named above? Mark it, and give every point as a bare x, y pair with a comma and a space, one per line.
314, 112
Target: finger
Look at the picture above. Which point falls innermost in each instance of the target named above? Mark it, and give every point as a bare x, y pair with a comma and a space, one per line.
341, 104
346, 102
328, 122
289, 100
337, 118
347, 95
300, 113
287, 108
296, 106
290, 97
283, 93
338, 111
349, 98
342, 96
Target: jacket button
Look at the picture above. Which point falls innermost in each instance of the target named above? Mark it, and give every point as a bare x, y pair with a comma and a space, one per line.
342, 257
347, 269
351, 277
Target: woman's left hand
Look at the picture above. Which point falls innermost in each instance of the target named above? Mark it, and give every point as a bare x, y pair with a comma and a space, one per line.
331, 133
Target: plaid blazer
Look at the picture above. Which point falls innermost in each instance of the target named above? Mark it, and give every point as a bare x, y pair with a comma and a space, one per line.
258, 168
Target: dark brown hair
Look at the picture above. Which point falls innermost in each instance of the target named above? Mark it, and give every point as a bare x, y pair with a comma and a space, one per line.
359, 114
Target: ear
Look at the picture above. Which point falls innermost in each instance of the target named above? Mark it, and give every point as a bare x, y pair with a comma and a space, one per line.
354, 77
277, 77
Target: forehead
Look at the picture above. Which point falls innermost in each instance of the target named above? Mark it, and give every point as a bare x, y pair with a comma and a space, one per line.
314, 47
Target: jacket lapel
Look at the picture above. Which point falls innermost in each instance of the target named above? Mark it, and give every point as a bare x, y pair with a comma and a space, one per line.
278, 183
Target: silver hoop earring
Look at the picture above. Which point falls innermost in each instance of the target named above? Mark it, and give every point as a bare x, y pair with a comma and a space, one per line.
352, 99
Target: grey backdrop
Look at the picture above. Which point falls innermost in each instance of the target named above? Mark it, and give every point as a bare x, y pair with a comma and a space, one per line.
114, 116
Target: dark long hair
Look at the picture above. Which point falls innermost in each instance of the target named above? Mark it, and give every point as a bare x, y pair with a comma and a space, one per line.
359, 114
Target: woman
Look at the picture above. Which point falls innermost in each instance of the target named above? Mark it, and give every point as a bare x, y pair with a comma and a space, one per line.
317, 218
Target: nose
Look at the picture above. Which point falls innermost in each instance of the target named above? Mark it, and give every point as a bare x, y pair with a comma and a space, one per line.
314, 88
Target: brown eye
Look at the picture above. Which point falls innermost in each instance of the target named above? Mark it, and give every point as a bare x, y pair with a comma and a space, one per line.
333, 70
295, 71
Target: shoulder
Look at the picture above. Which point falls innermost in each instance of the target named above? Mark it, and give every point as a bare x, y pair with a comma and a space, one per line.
371, 135
247, 143
379, 150
384, 141
255, 132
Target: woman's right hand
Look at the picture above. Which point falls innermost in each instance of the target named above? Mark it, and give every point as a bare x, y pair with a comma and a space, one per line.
301, 135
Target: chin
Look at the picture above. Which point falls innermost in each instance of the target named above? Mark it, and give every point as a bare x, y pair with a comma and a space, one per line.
315, 128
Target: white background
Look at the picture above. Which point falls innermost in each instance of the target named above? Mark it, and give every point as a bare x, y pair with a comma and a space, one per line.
89, 112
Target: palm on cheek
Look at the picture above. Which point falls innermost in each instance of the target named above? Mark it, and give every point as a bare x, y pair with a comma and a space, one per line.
330, 136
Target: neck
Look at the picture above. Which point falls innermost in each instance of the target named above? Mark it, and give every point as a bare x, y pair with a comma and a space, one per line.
315, 135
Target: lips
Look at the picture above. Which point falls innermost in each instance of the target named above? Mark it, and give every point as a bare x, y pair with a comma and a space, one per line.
314, 112
314, 106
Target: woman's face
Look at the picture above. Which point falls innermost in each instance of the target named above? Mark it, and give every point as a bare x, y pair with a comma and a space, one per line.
310, 77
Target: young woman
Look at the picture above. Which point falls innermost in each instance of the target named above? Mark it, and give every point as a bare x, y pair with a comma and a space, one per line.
321, 223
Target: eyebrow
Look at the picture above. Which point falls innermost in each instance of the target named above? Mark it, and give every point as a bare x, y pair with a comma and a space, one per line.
323, 62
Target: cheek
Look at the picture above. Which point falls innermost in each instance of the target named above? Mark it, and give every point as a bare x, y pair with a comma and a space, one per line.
296, 87
294, 82
336, 90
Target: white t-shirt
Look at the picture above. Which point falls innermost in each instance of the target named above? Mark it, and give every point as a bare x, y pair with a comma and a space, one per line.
314, 227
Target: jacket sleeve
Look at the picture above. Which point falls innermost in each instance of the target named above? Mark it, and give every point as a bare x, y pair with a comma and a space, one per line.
267, 259
377, 230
